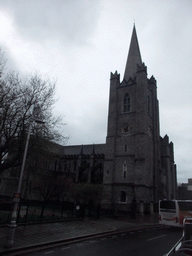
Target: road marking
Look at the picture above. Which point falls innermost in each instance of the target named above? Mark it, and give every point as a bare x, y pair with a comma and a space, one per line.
92, 241
103, 238
65, 248
123, 234
48, 252
114, 236
156, 237
80, 244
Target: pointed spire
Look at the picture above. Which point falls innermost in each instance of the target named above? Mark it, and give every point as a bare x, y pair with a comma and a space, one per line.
134, 57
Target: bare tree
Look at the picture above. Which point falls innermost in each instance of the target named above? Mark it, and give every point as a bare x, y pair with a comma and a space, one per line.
52, 186
20, 100
47, 189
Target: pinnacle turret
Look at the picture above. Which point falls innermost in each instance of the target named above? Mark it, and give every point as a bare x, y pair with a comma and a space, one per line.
134, 57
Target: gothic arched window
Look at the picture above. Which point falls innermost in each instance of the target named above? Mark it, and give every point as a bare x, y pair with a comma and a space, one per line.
126, 103
123, 196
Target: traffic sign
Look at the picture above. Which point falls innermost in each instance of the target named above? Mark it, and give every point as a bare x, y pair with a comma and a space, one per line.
16, 197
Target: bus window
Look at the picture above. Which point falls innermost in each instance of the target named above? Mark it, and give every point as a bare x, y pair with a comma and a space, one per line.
167, 206
185, 206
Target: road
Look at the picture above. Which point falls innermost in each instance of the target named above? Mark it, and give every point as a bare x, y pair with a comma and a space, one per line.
147, 242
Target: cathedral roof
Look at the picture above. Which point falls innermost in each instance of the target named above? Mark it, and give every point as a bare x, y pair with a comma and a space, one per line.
134, 57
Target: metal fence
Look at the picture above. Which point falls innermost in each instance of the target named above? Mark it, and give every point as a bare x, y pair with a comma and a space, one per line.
39, 211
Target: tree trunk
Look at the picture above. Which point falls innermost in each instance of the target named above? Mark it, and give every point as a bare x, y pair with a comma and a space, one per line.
42, 209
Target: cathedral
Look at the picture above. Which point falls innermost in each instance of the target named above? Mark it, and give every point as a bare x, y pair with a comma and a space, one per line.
135, 163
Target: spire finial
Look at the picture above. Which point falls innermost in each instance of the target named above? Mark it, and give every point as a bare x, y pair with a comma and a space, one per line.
134, 57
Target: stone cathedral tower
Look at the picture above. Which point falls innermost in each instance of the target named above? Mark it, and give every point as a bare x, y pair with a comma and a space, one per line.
132, 156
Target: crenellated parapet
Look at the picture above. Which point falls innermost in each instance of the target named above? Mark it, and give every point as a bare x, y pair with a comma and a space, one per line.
167, 148
141, 68
115, 76
165, 140
130, 82
152, 80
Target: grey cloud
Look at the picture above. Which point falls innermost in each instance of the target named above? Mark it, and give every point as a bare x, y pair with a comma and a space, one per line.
73, 21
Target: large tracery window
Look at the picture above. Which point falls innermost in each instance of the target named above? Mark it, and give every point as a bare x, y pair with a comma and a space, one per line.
126, 103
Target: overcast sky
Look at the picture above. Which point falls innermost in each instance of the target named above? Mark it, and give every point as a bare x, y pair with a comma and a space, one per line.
79, 42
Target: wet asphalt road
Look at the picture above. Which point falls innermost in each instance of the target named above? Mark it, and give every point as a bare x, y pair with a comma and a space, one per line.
146, 242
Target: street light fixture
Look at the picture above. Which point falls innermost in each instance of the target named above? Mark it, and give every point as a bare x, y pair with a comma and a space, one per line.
12, 226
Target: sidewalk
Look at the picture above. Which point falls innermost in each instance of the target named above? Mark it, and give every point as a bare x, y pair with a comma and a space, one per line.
36, 234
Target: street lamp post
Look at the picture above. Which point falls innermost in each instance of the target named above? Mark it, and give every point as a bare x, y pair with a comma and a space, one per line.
12, 226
